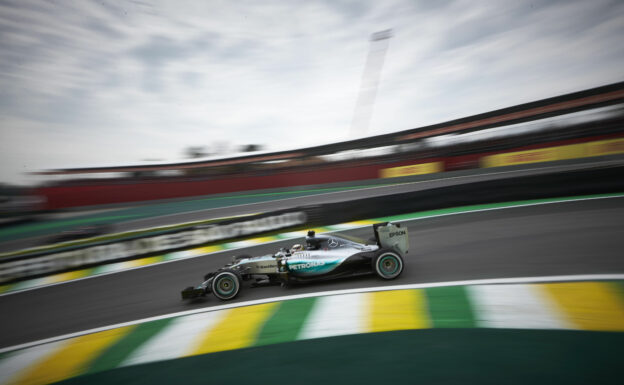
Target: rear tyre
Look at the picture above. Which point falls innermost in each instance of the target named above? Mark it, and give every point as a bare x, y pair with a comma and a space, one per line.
226, 284
388, 265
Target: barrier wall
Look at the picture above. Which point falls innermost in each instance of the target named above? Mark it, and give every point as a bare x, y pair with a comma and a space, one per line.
59, 197
49, 261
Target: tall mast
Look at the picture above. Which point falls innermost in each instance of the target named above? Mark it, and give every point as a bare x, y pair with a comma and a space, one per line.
370, 81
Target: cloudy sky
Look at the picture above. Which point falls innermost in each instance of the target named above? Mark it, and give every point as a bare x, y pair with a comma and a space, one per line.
89, 83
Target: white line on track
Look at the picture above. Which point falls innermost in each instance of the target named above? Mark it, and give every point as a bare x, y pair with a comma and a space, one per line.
490, 281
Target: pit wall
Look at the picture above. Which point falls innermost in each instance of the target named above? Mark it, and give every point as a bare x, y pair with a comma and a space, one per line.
61, 197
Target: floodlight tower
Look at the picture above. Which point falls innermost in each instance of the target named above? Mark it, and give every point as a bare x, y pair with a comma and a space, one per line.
370, 81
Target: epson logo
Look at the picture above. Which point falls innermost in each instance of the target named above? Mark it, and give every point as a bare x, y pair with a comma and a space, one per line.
396, 234
306, 265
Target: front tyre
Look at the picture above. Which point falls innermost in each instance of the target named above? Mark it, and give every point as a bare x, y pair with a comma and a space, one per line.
226, 285
388, 265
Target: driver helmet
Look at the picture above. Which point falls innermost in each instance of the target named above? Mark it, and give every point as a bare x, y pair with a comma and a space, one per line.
311, 242
296, 247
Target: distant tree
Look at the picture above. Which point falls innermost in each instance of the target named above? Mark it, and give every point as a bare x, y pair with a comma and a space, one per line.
251, 147
220, 147
195, 152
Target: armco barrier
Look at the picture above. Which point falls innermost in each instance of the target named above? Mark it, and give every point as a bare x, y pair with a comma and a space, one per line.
40, 263
580, 182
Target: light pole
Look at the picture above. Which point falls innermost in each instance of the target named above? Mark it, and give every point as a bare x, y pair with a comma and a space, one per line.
370, 81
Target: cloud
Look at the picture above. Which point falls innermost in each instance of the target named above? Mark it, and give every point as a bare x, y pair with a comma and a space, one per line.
108, 82
159, 50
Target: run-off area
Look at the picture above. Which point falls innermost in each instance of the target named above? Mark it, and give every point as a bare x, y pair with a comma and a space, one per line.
589, 306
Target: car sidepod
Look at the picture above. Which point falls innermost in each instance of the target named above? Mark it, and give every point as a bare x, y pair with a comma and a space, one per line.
312, 267
309, 266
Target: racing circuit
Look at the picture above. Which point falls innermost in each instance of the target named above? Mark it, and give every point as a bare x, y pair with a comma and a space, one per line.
527, 258
498, 253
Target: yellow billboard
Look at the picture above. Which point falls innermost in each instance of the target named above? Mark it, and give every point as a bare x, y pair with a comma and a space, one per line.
412, 169
549, 154
605, 147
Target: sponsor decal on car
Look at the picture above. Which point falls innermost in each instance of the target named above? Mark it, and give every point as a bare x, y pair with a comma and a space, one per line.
306, 265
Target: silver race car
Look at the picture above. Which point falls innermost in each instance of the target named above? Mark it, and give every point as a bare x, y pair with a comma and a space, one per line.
326, 256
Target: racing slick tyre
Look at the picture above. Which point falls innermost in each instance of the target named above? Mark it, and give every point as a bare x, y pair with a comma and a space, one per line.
226, 284
388, 265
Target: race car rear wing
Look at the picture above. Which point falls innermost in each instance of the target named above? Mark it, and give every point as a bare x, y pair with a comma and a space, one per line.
392, 236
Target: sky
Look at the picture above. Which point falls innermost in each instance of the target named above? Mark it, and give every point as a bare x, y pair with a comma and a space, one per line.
100, 83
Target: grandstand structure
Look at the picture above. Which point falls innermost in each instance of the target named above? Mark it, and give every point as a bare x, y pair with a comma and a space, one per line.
589, 115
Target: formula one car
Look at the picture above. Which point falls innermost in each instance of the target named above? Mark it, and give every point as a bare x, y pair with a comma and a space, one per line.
326, 256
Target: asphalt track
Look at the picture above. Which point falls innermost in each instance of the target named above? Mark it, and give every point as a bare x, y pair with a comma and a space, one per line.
169, 213
582, 237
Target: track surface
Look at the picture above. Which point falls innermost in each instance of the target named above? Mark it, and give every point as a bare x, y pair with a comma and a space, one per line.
168, 213
565, 238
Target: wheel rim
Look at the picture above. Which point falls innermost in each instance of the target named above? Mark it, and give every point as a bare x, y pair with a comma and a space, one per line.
389, 265
226, 286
